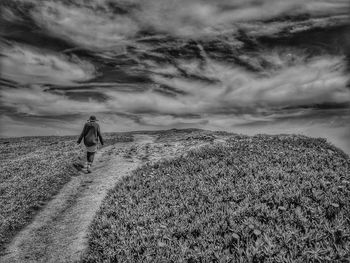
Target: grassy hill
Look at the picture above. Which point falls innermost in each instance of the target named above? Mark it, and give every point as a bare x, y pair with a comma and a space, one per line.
220, 197
32, 170
249, 199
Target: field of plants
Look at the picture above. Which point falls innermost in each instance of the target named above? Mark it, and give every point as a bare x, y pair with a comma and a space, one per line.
249, 199
32, 170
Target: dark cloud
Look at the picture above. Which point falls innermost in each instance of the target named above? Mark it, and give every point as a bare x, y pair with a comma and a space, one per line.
86, 96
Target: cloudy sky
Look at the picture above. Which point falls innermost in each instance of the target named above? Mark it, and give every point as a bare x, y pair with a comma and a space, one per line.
246, 66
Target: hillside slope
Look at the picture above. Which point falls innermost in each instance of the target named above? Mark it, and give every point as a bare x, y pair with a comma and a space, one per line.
196, 196
32, 171
245, 199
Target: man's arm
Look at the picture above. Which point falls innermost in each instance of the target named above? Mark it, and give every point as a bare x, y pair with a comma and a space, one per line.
99, 135
82, 134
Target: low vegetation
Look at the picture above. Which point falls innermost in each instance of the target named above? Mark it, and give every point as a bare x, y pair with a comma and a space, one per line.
250, 199
32, 170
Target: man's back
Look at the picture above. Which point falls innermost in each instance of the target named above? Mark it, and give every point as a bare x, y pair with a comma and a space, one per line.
91, 133
90, 137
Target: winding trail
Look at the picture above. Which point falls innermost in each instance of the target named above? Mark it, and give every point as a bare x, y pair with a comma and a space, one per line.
59, 232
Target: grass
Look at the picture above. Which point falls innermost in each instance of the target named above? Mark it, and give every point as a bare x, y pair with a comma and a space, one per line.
253, 199
32, 170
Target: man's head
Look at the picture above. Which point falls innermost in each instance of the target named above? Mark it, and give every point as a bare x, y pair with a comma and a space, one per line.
92, 118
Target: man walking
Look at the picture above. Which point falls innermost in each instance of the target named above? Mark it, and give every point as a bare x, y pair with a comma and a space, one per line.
91, 134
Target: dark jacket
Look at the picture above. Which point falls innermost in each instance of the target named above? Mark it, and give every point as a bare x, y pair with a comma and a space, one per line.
91, 133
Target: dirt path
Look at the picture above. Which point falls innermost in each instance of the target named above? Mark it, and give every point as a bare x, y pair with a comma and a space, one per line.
59, 232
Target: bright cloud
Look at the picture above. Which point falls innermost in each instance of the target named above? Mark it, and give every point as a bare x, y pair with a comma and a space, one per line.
84, 26
34, 101
317, 81
94, 24
320, 80
27, 65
